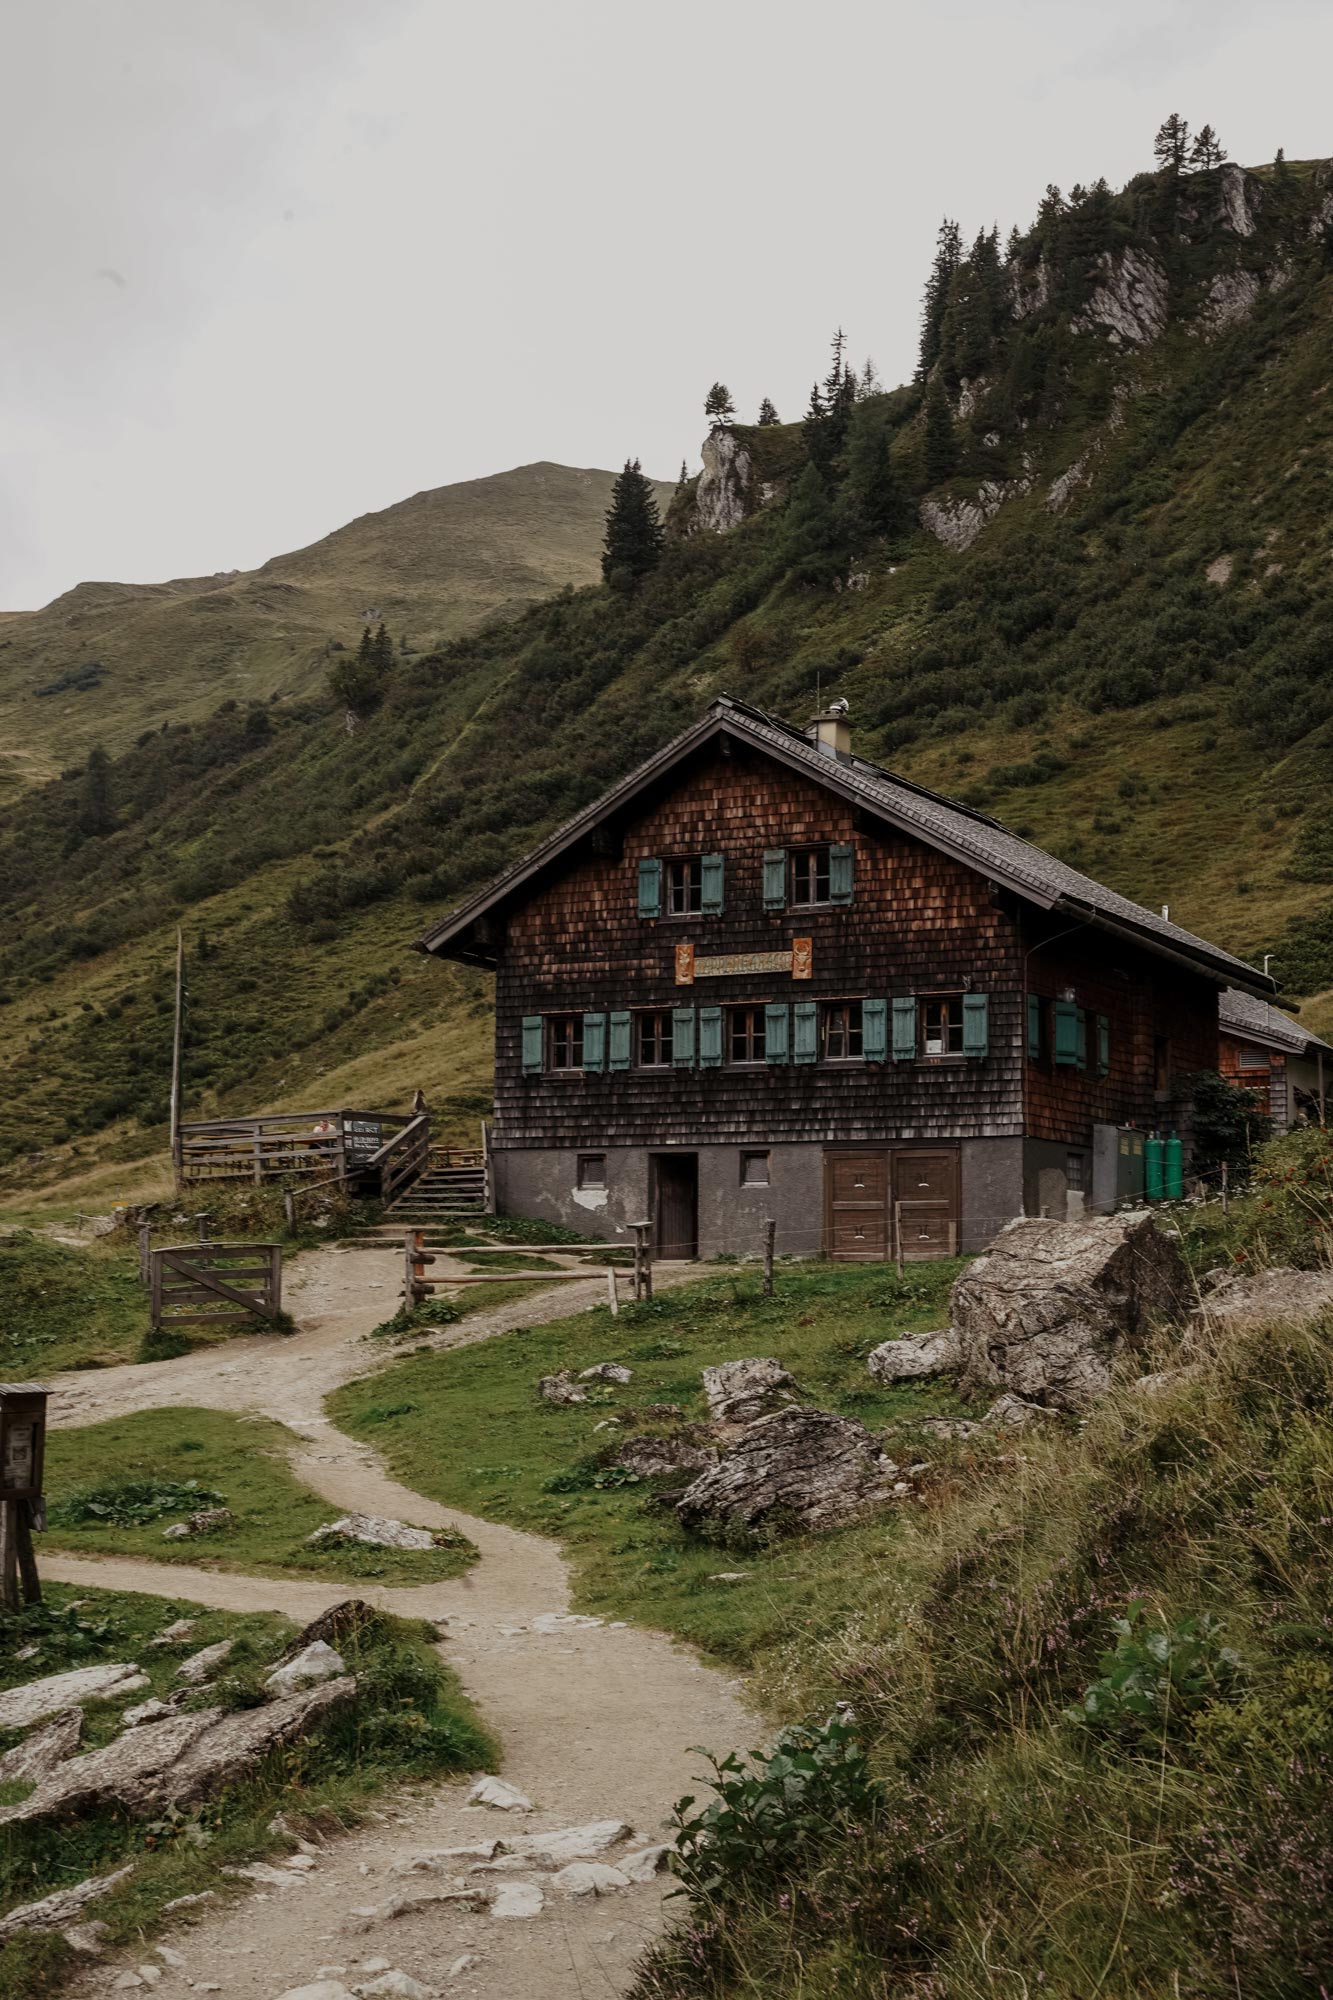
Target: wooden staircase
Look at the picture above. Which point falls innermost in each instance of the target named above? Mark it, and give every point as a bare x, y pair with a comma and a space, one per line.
453, 1184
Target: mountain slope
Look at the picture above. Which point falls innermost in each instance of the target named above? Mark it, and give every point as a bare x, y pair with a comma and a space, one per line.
107, 660
1129, 666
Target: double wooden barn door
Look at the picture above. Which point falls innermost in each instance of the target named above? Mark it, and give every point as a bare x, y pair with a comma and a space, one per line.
889, 1201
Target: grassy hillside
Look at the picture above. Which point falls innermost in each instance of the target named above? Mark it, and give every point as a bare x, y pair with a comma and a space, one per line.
106, 660
1131, 668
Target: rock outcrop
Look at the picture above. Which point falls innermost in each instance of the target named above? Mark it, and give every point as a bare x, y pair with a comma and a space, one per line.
739, 1391
373, 1531
807, 1466
1276, 1294
957, 523
315, 1662
659, 1457
53, 1912
916, 1357
720, 499
1045, 1313
21, 1706
1238, 198
561, 1388
37, 1755
1129, 303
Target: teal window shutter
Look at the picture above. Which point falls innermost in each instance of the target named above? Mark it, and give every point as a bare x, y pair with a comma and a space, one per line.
650, 888
875, 1030
1066, 1033
710, 885
1082, 1057
777, 1032
533, 1037
1034, 1027
682, 1037
841, 869
805, 1031
594, 1041
710, 1037
976, 1024
622, 1032
904, 1027
1103, 1046
775, 878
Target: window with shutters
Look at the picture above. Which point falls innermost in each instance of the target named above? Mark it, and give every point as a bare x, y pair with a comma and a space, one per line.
564, 1041
941, 1026
747, 1034
840, 1030
685, 887
754, 1170
592, 1170
811, 879
655, 1039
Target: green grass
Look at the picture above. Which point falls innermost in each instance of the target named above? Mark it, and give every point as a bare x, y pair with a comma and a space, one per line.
245, 1460
410, 1723
469, 1429
62, 1307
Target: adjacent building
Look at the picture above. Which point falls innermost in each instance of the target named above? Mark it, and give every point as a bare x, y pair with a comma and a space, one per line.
764, 978
1264, 1050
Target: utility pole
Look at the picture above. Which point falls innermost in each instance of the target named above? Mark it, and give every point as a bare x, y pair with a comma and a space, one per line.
176, 1039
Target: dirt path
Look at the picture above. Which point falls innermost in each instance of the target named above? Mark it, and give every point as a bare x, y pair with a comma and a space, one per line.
595, 1720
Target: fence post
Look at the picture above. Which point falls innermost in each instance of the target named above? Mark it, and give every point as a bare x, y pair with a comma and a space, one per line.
898, 1237
770, 1232
643, 1261
155, 1293
1224, 1187
201, 1217
275, 1278
611, 1290
638, 1261
145, 1251
289, 1210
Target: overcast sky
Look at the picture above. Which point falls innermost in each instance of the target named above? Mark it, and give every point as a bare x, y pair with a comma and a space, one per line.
269, 264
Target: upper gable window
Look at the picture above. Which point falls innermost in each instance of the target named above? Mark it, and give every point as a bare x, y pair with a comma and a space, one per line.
684, 887
811, 880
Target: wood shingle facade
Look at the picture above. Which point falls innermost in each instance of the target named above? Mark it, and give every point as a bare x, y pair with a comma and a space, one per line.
764, 979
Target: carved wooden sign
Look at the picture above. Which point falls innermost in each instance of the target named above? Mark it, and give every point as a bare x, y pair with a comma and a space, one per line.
799, 962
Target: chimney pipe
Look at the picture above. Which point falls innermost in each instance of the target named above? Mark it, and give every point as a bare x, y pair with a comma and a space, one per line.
830, 731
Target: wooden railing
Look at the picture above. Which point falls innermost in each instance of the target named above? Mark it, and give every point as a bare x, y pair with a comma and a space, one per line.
402, 1157
336, 1145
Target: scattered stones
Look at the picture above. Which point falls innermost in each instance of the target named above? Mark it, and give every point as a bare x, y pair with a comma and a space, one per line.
185, 1902
564, 1621
740, 1391
316, 1662
53, 1912
644, 1864
518, 1899
589, 1878
1046, 1312
89, 1940
462, 1964
809, 1466
179, 1759
207, 1521
495, 1792
606, 1371
151, 1710
658, 1457
561, 1388
1012, 1413
395, 1985
374, 1531
731, 1576
264, 1872
34, 1701
914, 1358
406, 1904
570, 1843
201, 1664
37, 1756
169, 1957
321, 1989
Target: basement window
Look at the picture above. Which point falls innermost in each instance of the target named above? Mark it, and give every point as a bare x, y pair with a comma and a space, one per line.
754, 1170
592, 1170
564, 1041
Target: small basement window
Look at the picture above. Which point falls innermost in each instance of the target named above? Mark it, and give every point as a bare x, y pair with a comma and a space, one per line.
685, 887
942, 1027
840, 1030
655, 1040
754, 1170
749, 1034
1074, 1172
592, 1170
810, 876
564, 1041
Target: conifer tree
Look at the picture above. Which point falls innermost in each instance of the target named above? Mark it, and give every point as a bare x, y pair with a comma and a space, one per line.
634, 538
718, 406
1207, 151
870, 382
1171, 146
768, 414
96, 815
817, 430
948, 252
941, 451
872, 500
357, 680
810, 528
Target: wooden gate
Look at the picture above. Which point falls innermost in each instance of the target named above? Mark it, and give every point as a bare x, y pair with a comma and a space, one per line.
215, 1284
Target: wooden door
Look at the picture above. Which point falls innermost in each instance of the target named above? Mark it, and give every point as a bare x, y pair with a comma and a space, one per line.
676, 1205
925, 1196
856, 1206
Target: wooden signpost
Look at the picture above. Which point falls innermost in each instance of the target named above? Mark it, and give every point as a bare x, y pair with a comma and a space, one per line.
22, 1453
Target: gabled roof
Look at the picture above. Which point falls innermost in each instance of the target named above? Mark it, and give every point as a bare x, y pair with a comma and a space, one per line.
969, 836
1252, 1020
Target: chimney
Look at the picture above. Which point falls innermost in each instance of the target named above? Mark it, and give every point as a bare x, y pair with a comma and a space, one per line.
830, 730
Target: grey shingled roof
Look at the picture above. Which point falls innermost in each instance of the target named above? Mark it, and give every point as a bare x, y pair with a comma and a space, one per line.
1243, 1015
972, 837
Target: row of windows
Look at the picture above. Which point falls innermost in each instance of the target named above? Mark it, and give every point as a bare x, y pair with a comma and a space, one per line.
911, 1027
800, 878
755, 1169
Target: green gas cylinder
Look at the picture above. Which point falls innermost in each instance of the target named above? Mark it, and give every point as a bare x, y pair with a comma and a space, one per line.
1152, 1166
1175, 1168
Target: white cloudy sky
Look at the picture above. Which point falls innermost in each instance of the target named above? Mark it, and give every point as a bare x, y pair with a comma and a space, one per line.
272, 263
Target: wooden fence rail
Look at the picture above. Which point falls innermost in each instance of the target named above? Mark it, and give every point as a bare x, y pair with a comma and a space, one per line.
215, 1284
416, 1258
280, 1146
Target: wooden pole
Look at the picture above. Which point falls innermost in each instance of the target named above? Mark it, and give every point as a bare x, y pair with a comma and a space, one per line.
27, 1561
898, 1236
1319, 1071
145, 1251
289, 1210
611, 1291
9, 1577
638, 1261
770, 1234
177, 1038
1224, 1187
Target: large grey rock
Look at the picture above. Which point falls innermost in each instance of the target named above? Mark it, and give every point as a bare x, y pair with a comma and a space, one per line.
315, 1662
721, 497
35, 1700
561, 1388
55, 1911
588, 1878
201, 1664
606, 1371
1278, 1293
915, 1357
37, 1755
657, 1457
1049, 1308
374, 1530
568, 1843
740, 1391
1129, 301
495, 1792
178, 1760
806, 1465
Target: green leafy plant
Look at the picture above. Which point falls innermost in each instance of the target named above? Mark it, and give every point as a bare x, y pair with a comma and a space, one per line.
132, 1503
1157, 1677
771, 1809
590, 1475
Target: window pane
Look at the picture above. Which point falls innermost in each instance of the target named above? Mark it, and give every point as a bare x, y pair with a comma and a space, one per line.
684, 887
810, 875
754, 1169
942, 1027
